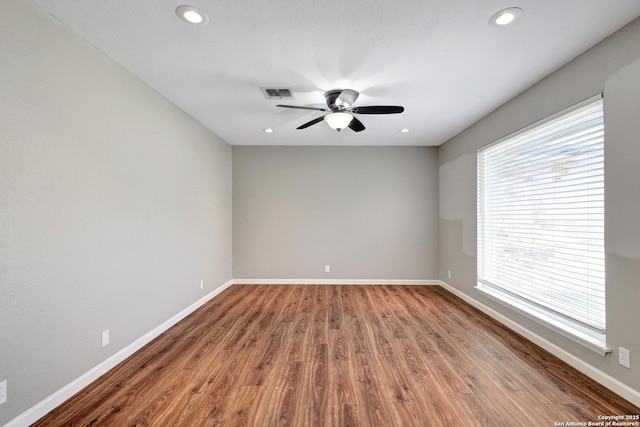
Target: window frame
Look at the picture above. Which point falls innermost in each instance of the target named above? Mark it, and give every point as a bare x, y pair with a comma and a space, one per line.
572, 329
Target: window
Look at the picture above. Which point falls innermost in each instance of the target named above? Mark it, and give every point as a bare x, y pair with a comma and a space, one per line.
541, 222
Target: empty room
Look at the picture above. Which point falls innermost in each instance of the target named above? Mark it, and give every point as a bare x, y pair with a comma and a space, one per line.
296, 213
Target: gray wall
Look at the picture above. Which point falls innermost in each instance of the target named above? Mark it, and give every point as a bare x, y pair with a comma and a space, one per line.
113, 205
369, 212
611, 66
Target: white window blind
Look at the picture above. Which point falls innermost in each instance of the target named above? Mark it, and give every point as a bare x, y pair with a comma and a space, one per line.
541, 217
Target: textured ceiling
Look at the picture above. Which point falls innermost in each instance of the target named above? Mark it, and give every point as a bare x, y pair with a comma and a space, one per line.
440, 59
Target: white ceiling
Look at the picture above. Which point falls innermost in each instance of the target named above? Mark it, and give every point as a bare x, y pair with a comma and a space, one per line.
440, 59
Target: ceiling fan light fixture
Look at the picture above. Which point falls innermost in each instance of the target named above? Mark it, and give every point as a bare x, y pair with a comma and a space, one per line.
338, 121
191, 15
506, 16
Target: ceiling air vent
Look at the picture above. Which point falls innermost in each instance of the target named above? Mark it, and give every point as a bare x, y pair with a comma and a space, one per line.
277, 93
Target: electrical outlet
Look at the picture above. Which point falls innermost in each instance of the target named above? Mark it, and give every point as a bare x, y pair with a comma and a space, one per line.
201, 283
105, 338
327, 269
3, 392
623, 357
449, 274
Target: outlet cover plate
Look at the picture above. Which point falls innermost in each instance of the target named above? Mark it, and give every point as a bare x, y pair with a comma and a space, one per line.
623, 357
3, 392
105, 338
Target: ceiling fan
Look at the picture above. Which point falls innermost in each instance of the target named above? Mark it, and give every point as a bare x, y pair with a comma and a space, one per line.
339, 102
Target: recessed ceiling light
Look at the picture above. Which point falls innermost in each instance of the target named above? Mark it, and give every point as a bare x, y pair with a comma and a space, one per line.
267, 130
506, 16
192, 15
404, 130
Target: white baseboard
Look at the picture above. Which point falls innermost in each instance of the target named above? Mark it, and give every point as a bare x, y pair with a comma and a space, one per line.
333, 282
45, 406
592, 372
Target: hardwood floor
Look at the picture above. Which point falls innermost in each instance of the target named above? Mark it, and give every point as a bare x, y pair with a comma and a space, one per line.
339, 356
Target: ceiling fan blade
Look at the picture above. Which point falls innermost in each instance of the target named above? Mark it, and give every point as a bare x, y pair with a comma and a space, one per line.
356, 125
346, 98
312, 122
378, 109
302, 108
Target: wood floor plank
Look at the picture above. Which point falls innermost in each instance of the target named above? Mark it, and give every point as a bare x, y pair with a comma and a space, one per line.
314, 355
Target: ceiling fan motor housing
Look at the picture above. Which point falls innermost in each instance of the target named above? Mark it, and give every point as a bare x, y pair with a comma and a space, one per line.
331, 96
